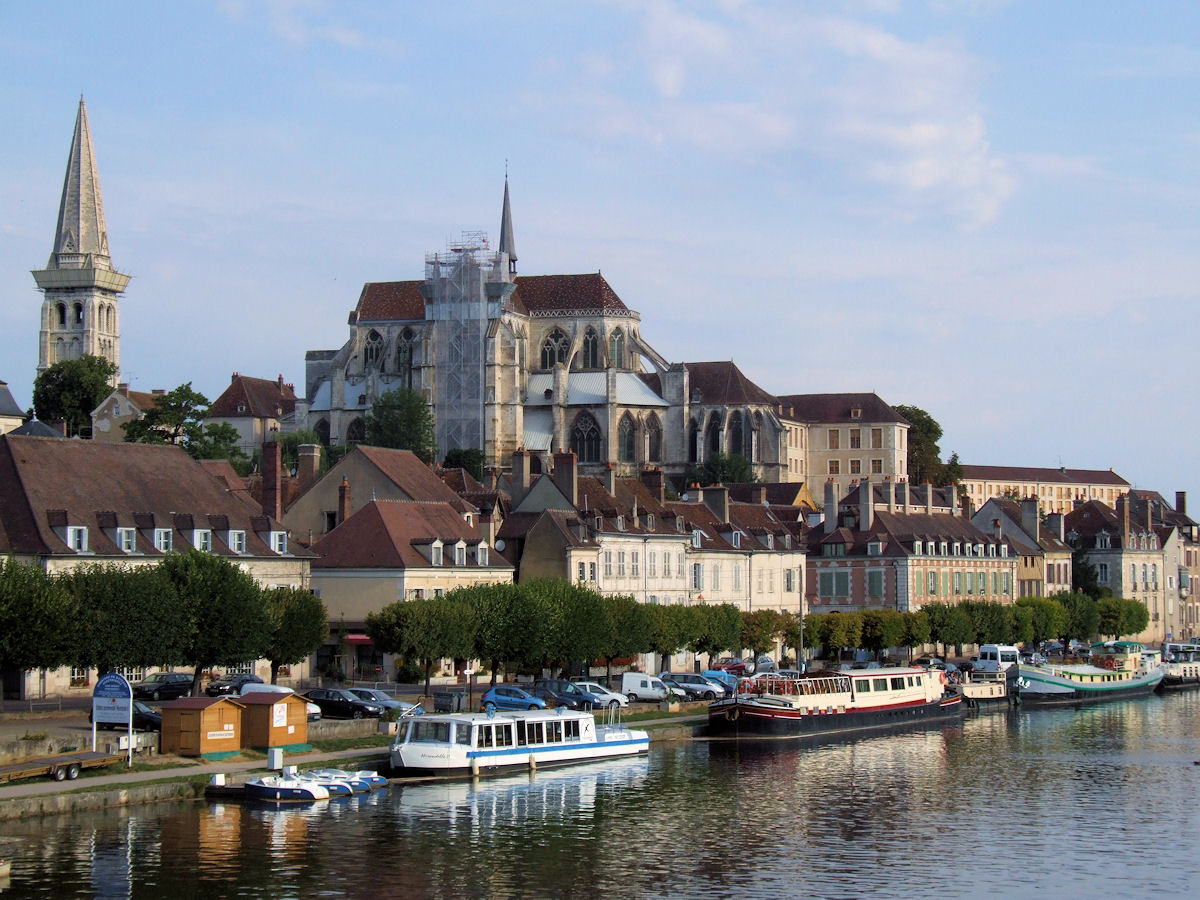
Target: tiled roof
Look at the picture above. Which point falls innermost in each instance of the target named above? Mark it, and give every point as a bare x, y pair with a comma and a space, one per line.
142, 486
391, 301
404, 469
549, 293
838, 408
385, 534
1053, 476
461, 481
723, 383
259, 398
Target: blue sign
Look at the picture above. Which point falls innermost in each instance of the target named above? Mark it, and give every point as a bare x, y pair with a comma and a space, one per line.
113, 685
112, 701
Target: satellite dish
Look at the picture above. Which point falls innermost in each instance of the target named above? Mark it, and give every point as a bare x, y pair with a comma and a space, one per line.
500, 545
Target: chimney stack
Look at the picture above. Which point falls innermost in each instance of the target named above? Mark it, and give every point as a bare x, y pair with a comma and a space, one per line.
904, 496
716, 498
487, 525
566, 475
890, 487
1054, 522
123, 390
610, 477
308, 465
830, 506
520, 476
866, 504
652, 478
272, 488
343, 510
1181, 502
997, 529
952, 493
1123, 518
1029, 516
928, 499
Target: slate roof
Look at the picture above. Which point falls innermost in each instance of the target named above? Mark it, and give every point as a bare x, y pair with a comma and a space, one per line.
259, 398
46, 483
723, 383
1052, 476
8, 405
37, 428
838, 408
386, 534
899, 530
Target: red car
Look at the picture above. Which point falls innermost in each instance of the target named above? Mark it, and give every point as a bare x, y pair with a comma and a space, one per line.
734, 665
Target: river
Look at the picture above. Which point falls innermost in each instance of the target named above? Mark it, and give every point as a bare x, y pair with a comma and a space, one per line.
1099, 801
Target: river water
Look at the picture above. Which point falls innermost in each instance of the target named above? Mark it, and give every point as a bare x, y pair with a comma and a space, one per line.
1101, 801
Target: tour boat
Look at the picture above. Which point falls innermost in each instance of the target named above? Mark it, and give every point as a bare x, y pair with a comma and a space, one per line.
829, 702
1119, 670
481, 743
280, 788
983, 689
1182, 664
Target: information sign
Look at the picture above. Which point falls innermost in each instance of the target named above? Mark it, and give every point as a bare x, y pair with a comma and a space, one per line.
112, 700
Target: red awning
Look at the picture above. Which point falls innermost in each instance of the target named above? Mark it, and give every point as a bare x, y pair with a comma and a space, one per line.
357, 639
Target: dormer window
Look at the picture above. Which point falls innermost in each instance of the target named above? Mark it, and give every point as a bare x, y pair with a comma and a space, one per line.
77, 538
856, 413
944, 549
599, 523
127, 539
279, 541
770, 542
481, 555
875, 548
979, 549
917, 548
460, 555
164, 540
735, 539
967, 549
202, 540
838, 549
787, 542
620, 523
957, 548
1004, 550
696, 538
435, 553
649, 521
237, 541
679, 524
991, 549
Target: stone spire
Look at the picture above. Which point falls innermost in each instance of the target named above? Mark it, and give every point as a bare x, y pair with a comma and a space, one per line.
507, 243
79, 283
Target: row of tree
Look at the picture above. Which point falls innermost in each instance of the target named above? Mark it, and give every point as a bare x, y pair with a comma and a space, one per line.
193, 609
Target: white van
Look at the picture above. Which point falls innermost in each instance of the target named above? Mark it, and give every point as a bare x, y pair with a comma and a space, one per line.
997, 658
640, 686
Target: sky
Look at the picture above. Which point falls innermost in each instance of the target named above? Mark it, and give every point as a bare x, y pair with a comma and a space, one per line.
987, 209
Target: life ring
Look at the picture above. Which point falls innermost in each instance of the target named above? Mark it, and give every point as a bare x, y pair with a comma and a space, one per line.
1108, 663
732, 714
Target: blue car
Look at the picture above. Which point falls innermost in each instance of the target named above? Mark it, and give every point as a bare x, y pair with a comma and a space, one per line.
504, 696
729, 682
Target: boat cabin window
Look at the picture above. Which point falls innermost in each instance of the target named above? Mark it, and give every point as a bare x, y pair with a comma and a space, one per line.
483, 736
898, 683
534, 733
462, 733
910, 681
554, 732
881, 684
437, 732
864, 685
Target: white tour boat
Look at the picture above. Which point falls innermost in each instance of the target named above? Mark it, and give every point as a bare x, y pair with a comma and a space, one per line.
1182, 662
480, 743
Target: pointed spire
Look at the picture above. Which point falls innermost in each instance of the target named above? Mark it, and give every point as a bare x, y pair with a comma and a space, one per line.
507, 243
81, 227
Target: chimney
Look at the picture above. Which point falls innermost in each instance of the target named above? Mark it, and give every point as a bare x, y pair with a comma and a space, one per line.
1029, 516
891, 493
928, 499
904, 496
1149, 515
952, 493
566, 475
520, 476
758, 494
60, 425
343, 510
866, 504
272, 493
308, 466
1054, 522
716, 498
158, 392
487, 525
123, 390
610, 477
997, 530
1181, 502
1123, 518
280, 383
830, 506
652, 478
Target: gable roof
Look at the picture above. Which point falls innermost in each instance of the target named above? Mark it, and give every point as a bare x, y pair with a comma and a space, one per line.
8, 405
405, 469
723, 382
839, 408
1053, 476
37, 428
259, 398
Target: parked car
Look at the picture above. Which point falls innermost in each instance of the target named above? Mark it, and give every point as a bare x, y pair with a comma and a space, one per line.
163, 686
505, 696
608, 698
339, 703
697, 685
930, 662
145, 718
387, 701
566, 693
727, 680
231, 685
640, 686
314, 711
680, 688
734, 665
763, 663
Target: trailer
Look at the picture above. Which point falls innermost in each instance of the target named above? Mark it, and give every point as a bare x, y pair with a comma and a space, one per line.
62, 767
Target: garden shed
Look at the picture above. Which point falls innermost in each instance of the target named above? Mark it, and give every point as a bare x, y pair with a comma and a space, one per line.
274, 721
210, 727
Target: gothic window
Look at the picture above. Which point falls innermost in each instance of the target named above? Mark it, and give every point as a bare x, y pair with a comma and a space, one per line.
693, 442
735, 433
591, 351
753, 445
59, 350
653, 440
356, 433
78, 313
322, 431
626, 433
62, 315
404, 356
712, 435
373, 350
554, 349
616, 349
110, 319
585, 438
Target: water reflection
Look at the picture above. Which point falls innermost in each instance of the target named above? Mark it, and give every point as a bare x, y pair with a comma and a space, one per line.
1018, 803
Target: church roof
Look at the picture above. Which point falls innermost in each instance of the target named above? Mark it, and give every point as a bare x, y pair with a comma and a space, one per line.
81, 227
391, 301
591, 389
723, 383
508, 243
255, 397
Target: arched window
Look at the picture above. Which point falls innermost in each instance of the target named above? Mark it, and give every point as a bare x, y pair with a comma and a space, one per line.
753, 445
357, 432
373, 350
112, 318
322, 431
591, 351
62, 315
693, 442
555, 349
736, 435
78, 313
585, 438
626, 434
60, 348
404, 356
712, 435
616, 349
653, 440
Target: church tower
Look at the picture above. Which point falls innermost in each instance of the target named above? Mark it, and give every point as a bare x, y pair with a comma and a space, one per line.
80, 285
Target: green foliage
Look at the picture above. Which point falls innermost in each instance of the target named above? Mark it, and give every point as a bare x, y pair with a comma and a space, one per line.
226, 611
1122, 618
289, 448
1084, 578
949, 624
924, 455
992, 622
668, 629
402, 420
793, 634
1083, 616
177, 417
471, 460
512, 630
917, 630
128, 617
719, 629
834, 631
881, 628
722, 468
1049, 618
1022, 625
299, 625
69, 390
39, 618
761, 628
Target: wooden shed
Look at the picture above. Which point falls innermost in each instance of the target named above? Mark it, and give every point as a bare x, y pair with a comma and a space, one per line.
274, 721
210, 727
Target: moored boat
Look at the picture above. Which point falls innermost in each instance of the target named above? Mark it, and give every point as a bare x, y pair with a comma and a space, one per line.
833, 702
482, 743
984, 689
1119, 670
361, 781
278, 788
1182, 665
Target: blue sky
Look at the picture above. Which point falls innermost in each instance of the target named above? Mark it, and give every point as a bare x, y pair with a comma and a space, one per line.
987, 209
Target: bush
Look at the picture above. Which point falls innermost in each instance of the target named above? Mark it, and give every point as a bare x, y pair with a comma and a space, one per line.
409, 673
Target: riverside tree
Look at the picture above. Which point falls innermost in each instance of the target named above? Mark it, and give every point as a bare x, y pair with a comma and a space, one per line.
39, 618
576, 626
299, 624
719, 631
760, 629
881, 628
627, 630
